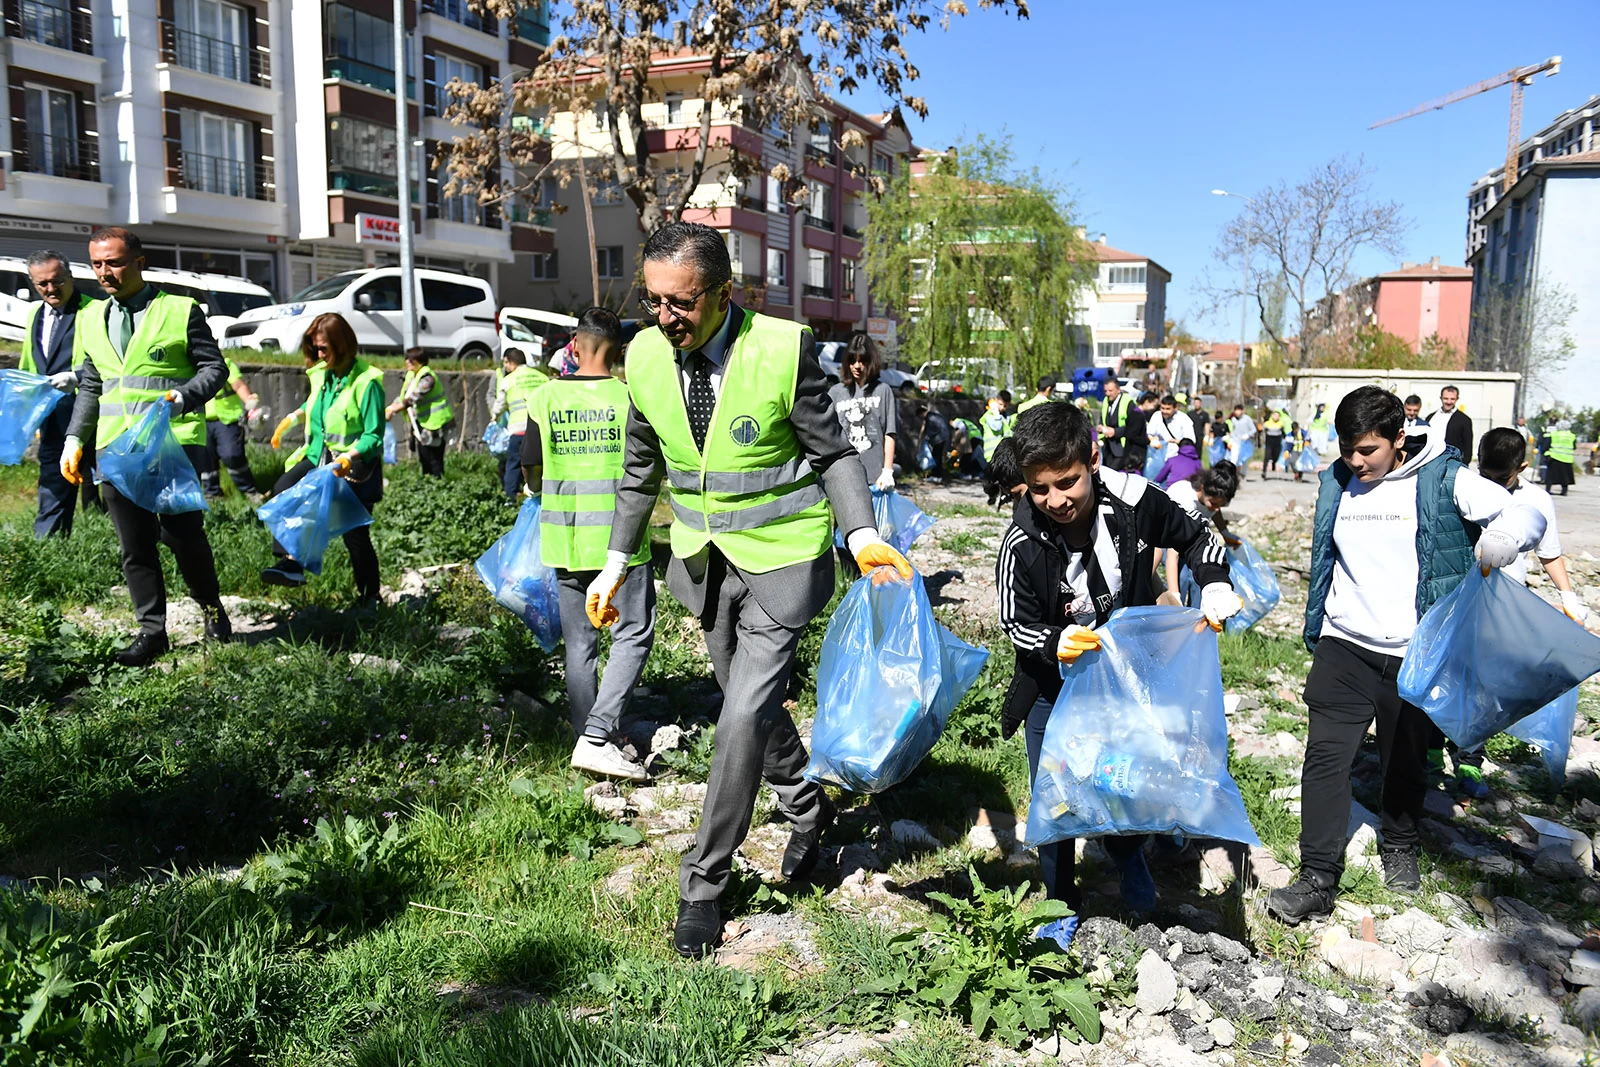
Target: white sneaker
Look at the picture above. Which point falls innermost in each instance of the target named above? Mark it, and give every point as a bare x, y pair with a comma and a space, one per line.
605, 758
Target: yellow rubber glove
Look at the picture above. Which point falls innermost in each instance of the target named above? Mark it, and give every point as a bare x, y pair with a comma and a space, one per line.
71, 459
342, 465
877, 554
1075, 641
285, 424
601, 591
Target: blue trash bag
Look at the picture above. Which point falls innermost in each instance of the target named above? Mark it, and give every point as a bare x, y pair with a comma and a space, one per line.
1305, 461
519, 579
306, 517
1246, 450
498, 438
1138, 740
390, 449
149, 467
889, 677
1253, 581
1550, 731
26, 400
899, 521
1492, 652
925, 457
1155, 459
1218, 452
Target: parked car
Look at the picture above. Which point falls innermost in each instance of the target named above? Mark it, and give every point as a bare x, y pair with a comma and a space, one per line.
455, 314
828, 353
979, 377
539, 335
224, 297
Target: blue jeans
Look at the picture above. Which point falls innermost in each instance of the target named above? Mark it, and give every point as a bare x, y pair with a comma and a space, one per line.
511, 467
1058, 861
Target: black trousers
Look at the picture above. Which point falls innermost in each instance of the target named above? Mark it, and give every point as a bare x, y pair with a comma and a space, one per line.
1347, 688
1058, 862
58, 498
139, 532
225, 441
430, 457
358, 542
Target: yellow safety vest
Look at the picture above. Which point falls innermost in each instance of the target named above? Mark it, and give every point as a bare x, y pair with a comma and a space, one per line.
226, 405
27, 362
157, 360
433, 409
1563, 446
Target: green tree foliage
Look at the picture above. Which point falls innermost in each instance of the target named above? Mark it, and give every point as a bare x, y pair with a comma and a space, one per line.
1373, 348
980, 260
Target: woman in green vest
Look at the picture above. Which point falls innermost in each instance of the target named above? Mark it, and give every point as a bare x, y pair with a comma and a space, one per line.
344, 426
1560, 452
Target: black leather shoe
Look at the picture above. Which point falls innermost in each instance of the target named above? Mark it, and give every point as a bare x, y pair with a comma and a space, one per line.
1310, 897
698, 927
1400, 871
218, 625
800, 858
145, 650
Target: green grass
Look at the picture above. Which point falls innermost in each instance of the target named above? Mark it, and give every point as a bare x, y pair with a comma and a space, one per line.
941, 510
961, 543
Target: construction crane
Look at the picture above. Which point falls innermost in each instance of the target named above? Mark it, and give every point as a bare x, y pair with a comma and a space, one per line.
1516, 77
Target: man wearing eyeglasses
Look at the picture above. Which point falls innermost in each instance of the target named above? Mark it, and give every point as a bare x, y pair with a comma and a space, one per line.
52, 346
731, 408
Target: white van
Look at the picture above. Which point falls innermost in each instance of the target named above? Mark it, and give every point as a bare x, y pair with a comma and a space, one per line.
538, 334
455, 314
223, 297
17, 295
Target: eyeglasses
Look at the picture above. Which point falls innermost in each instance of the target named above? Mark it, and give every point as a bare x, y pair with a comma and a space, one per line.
322, 348
673, 306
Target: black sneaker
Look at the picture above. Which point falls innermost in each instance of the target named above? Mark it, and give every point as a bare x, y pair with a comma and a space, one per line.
286, 573
218, 626
145, 650
1400, 871
800, 857
1311, 897
698, 927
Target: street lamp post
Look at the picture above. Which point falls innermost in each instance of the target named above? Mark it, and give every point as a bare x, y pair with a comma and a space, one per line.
402, 140
1244, 300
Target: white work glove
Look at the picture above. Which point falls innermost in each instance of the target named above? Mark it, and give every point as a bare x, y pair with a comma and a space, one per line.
66, 381
885, 480
71, 458
1075, 641
1575, 609
1219, 603
1496, 548
597, 605
174, 398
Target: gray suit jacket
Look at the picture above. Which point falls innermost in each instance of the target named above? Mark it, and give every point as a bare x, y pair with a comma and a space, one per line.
791, 595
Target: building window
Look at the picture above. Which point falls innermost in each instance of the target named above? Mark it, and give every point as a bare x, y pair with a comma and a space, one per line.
218, 154
363, 49
1107, 351
819, 205
847, 278
1126, 275
47, 22
463, 207
606, 192
600, 117
608, 258
546, 267
820, 145
1122, 316
211, 37
447, 68
736, 250
777, 267
883, 163
674, 107
361, 156
549, 189
819, 273
775, 202
461, 11
52, 133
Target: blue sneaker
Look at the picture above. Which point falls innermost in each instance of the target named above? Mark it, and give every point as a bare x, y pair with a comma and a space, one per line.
1138, 888
1060, 931
1469, 780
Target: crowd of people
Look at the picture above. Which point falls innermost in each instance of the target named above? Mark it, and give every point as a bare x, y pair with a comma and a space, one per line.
729, 413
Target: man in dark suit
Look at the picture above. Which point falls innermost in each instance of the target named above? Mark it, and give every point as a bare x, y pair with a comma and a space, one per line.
49, 347
732, 409
1455, 423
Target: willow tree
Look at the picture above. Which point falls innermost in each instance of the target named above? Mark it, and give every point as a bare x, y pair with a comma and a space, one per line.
980, 260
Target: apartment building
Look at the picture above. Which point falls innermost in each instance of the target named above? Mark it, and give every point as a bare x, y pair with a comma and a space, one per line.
248, 137
1573, 131
796, 261
1126, 310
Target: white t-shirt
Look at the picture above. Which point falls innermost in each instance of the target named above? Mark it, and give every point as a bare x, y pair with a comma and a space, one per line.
1549, 546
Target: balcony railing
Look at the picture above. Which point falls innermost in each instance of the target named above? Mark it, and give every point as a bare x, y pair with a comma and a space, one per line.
373, 77
57, 25
247, 179
459, 11
361, 181
532, 26
532, 216
819, 153
62, 157
750, 281
757, 204
824, 291
851, 232
819, 223
211, 55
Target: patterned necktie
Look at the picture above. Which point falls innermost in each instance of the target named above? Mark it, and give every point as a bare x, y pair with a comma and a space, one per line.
702, 399
121, 327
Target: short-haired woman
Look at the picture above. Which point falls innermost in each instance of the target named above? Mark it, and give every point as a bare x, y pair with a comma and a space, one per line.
866, 408
344, 426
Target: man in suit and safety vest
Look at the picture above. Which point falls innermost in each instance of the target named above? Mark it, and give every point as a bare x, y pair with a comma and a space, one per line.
51, 346
731, 408
141, 347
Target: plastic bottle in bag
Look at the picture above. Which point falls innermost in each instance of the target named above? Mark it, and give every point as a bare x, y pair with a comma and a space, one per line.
1139, 790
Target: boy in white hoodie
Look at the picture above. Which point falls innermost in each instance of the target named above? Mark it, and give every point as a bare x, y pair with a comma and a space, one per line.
1394, 532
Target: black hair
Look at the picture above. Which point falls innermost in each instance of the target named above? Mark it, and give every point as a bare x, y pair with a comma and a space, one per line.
1449, 389
418, 355
1221, 414
601, 323
1414, 399
866, 348
1004, 471
46, 255
1005, 394
129, 239
1169, 399
1501, 453
1045, 382
1053, 435
514, 355
1147, 396
1220, 480
694, 244
1369, 409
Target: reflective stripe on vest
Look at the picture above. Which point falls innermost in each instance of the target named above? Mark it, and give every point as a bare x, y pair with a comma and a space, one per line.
341, 422
750, 492
432, 410
156, 361
1563, 446
315, 377
582, 426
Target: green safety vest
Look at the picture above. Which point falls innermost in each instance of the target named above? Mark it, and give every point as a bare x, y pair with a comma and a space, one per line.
226, 405
751, 493
157, 360
341, 422
1116, 414
26, 362
996, 428
582, 426
1562, 446
1032, 402
517, 387
315, 376
433, 410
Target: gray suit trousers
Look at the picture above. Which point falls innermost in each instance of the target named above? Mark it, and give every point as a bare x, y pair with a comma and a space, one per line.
597, 702
752, 656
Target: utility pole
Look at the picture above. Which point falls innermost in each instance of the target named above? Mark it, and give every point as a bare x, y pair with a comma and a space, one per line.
402, 162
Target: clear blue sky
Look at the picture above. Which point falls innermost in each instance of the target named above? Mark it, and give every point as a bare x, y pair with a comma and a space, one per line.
1141, 110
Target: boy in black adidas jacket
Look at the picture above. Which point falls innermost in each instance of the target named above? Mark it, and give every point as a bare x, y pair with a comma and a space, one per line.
1081, 544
